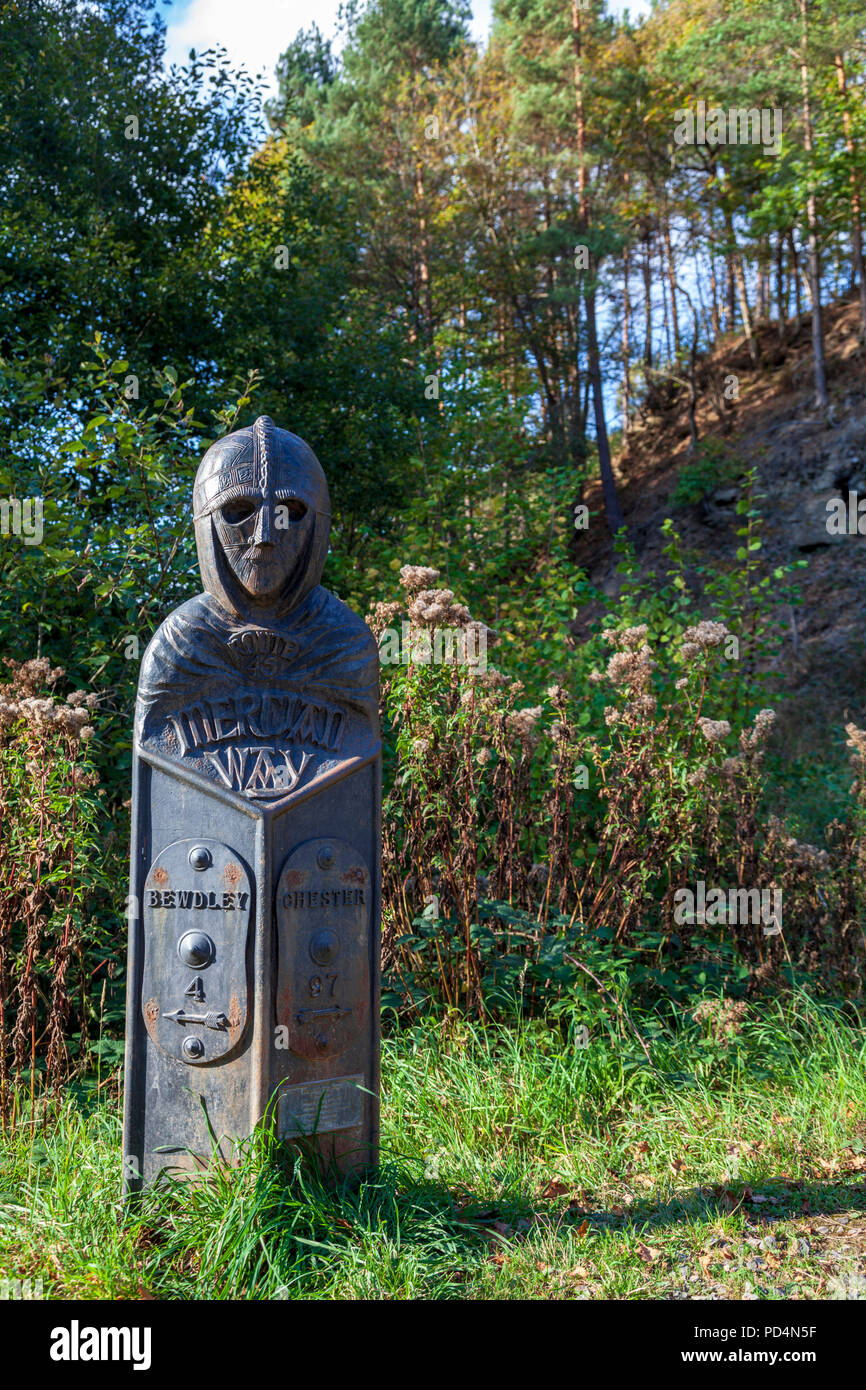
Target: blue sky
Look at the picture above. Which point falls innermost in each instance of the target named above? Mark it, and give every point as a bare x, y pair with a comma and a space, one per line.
255, 32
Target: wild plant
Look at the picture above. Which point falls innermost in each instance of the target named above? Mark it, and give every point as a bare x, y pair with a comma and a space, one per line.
52, 834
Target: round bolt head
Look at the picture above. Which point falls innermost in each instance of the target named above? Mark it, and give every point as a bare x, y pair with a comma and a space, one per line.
196, 949
193, 1048
325, 946
200, 857
325, 857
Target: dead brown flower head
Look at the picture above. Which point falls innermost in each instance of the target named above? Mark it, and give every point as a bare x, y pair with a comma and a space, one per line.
415, 577
714, 730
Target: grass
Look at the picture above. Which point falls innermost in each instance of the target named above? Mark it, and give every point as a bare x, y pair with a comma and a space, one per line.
514, 1165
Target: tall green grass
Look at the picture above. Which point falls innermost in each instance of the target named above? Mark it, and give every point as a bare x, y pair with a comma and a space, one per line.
515, 1163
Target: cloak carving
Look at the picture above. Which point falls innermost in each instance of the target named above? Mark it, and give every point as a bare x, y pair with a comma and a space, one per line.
265, 681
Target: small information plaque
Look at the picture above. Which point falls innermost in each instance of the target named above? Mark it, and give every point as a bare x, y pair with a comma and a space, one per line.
321, 1106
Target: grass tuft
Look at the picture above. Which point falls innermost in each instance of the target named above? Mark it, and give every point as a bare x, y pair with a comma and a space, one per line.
514, 1164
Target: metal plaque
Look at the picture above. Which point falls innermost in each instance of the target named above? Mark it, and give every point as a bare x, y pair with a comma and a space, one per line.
197, 906
321, 1107
323, 977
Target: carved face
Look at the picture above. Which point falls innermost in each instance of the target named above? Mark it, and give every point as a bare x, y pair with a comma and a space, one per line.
265, 540
262, 518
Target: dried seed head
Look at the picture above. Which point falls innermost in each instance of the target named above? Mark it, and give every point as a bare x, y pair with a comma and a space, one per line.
706, 634
628, 638
415, 577
522, 722
714, 730
382, 615
856, 739
764, 721
494, 678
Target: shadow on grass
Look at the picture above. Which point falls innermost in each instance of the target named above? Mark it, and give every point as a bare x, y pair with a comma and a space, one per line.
767, 1203
395, 1232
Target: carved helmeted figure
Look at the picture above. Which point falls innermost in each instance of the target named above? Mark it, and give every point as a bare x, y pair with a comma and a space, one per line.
265, 681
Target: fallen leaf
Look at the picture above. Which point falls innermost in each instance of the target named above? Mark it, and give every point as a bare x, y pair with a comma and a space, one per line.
730, 1197
555, 1188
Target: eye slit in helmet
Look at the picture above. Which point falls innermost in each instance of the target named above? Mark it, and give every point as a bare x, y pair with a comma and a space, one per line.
238, 510
296, 509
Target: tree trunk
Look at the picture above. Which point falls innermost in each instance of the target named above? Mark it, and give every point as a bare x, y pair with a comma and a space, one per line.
795, 271
580, 115
740, 279
714, 289
737, 282
666, 323
781, 302
647, 299
672, 281
626, 314
422, 256
762, 307
426, 303
615, 518
857, 267
822, 399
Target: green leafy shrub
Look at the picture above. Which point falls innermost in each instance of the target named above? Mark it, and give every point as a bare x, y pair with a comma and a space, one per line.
517, 836
713, 467
52, 872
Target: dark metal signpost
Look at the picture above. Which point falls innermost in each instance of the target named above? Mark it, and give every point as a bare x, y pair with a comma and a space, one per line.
253, 974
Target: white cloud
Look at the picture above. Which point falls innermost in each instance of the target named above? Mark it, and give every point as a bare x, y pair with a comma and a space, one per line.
255, 32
